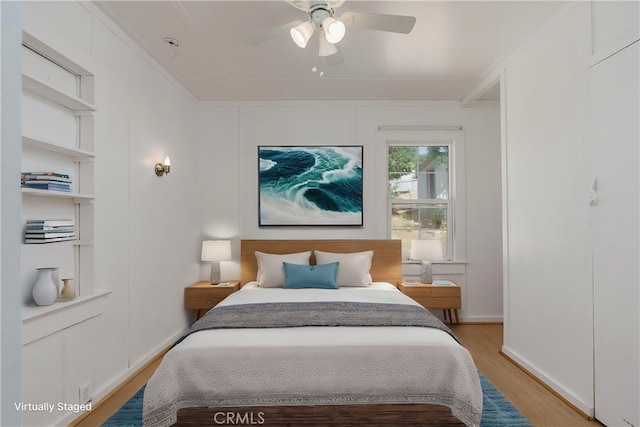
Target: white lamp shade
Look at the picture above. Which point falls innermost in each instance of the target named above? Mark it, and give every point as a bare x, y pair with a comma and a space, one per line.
302, 33
216, 250
334, 30
430, 250
167, 161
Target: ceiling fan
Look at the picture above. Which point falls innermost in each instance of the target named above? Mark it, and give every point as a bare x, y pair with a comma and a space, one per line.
330, 27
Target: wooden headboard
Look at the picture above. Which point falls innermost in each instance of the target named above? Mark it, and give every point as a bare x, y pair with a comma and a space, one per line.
386, 265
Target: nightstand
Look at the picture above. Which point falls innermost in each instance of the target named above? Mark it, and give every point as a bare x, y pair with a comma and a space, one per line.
444, 297
202, 296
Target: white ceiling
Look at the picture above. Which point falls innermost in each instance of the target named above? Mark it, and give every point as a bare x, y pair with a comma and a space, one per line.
450, 48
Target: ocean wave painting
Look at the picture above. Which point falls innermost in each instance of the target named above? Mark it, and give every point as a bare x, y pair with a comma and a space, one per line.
310, 185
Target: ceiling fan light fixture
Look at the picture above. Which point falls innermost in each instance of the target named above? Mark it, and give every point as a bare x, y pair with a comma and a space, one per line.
334, 30
326, 48
302, 33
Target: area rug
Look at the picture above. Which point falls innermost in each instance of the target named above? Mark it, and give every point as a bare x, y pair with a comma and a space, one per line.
497, 411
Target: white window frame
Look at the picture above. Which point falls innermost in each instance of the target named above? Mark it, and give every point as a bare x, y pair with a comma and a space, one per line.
454, 139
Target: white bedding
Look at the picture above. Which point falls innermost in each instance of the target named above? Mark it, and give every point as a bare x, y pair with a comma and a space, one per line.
315, 365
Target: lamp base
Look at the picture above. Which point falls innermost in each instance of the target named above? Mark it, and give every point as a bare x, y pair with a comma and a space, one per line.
215, 272
426, 273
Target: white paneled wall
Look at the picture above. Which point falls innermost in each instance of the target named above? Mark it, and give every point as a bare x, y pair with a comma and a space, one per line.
614, 26
553, 151
147, 229
614, 123
10, 227
230, 135
165, 213
614, 136
65, 25
550, 167
112, 148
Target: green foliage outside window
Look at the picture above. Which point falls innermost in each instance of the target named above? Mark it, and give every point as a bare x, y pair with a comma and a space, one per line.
418, 173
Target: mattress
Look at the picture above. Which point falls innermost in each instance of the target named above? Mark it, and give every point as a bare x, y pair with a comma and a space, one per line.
313, 365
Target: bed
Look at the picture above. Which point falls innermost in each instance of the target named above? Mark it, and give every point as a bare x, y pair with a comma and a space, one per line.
275, 357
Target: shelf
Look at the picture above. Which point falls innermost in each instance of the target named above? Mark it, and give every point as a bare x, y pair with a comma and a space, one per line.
40, 321
40, 88
41, 149
53, 55
72, 241
42, 144
78, 198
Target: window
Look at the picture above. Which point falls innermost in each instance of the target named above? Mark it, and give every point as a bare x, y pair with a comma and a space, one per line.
419, 177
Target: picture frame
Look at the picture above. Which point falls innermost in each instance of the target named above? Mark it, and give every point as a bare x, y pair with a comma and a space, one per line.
310, 185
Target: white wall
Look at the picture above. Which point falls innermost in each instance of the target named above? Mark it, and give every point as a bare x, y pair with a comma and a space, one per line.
147, 229
10, 350
614, 133
615, 93
228, 141
548, 285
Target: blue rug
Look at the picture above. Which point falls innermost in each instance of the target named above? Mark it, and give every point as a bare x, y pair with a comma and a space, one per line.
497, 411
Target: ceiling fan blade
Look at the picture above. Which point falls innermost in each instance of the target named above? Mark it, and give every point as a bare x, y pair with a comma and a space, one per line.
373, 21
334, 3
299, 4
265, 36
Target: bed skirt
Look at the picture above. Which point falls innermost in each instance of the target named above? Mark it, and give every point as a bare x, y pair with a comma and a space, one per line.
385, 415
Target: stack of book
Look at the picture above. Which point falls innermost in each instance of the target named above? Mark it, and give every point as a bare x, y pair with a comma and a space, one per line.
46, 181
49, 231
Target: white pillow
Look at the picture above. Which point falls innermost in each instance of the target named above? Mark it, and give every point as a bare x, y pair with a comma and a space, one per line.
271, 269
353, 268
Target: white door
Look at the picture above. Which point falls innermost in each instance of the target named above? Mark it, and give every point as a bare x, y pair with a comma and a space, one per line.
616, 140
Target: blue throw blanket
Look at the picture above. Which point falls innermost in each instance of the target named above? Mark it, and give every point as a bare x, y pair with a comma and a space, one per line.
325, 313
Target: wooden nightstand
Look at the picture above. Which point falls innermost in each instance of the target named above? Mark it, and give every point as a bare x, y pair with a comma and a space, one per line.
202, 296
444, 297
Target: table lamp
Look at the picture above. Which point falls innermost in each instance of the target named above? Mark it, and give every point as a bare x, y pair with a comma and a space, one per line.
216, 251
426, 251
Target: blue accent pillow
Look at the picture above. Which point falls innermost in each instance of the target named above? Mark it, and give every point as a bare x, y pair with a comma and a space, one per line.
299, 276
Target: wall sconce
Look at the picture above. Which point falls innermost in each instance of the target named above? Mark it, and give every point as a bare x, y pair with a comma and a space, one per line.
162, 168
216, 251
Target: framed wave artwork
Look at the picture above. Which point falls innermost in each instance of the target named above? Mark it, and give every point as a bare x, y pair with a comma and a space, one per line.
310, 185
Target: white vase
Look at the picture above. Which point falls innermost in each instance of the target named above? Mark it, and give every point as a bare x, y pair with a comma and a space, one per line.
45, 291
426, 273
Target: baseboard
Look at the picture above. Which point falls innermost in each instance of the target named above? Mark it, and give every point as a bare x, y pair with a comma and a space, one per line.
136, 365
482, 319
582, 408
124, 378
153, 353
477, 322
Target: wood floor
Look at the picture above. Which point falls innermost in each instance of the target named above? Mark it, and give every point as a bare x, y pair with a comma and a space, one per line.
484, 342
536, 403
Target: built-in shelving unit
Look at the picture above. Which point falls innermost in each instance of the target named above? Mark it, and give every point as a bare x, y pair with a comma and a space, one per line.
67, 313
77, 153
44, 90
58, 136
79, 198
